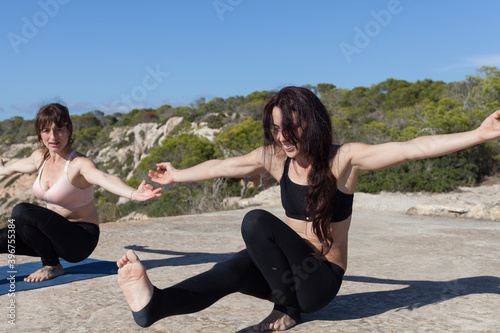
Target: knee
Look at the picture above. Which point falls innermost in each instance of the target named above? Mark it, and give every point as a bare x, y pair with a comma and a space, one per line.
253, 222
19, 211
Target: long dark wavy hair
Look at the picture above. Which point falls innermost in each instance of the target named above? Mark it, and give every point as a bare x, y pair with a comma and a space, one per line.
49, 114
315, 145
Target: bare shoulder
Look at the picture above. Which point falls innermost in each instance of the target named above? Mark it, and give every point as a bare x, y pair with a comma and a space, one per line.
350, 151
342, 167
37, 157
342, 154
81, 161
80, 169
273, 160
38, 153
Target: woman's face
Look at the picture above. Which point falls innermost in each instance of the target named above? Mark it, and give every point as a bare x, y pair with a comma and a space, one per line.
291, 150
55, 138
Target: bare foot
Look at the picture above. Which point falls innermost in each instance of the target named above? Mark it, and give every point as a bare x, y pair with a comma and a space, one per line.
134, 281
276, 321
45, 273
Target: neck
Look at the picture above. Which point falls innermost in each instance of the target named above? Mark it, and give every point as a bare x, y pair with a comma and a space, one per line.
301, 169
63, 154
302, 162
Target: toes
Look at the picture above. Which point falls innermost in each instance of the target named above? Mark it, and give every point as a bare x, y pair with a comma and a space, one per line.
263, 327
131, 256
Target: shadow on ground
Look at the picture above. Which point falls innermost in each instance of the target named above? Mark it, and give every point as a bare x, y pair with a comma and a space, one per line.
180, 259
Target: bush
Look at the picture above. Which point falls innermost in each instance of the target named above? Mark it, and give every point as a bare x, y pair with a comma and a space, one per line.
440, 174
182, 151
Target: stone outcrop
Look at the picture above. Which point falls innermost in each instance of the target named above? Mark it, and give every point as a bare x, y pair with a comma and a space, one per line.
478, 211
136, 141
126, 147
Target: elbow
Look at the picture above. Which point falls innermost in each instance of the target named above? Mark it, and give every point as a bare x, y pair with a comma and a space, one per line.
414, 150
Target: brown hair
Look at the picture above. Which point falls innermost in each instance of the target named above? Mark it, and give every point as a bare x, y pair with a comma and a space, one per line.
49, 114
315, 144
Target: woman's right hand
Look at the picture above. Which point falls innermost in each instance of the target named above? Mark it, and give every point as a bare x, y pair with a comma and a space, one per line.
163, 174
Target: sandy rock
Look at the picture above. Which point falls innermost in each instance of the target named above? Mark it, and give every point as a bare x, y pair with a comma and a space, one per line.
202, 129
268, 197
495, 214
231, 202
438, 210
133, 217
477, 212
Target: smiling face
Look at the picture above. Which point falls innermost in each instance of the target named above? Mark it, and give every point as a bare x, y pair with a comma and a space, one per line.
289, 142
295, 120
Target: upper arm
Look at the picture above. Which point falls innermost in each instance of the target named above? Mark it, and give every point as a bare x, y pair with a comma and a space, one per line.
89, 171
375, 157
25, 165
243, 166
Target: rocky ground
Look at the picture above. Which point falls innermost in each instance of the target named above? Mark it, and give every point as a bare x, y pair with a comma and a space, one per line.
407, 273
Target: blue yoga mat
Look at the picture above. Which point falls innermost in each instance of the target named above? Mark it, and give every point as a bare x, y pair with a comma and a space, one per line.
83, 270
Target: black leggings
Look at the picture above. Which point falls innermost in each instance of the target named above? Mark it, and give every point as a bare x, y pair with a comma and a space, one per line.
40, 232
278, 265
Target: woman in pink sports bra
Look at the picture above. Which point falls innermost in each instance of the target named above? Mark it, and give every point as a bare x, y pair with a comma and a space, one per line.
69, 227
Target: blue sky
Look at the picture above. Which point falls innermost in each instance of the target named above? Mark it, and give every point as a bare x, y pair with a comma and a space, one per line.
117, 55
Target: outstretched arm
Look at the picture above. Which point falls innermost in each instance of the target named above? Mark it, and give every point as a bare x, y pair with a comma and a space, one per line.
25, 165
375, 157
234, 167
115, 185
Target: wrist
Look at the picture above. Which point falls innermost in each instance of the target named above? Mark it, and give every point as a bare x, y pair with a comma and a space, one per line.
132, 195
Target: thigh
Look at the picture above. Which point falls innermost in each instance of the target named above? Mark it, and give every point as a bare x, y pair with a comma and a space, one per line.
70, 240
12, 242
314, 281
262, 232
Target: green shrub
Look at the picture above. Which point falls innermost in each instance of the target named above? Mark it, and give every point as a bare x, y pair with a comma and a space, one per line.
440, 174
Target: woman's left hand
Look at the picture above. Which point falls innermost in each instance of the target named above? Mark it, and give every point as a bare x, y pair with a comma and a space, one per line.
145, 192
490, 128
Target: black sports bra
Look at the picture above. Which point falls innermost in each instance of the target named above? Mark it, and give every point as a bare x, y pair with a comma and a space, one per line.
293, 199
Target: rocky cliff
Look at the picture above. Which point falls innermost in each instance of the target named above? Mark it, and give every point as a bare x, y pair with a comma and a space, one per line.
126, 147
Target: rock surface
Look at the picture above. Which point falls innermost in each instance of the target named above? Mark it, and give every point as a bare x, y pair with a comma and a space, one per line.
407, 273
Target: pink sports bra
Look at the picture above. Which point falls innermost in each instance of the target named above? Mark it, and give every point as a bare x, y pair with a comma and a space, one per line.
63, 194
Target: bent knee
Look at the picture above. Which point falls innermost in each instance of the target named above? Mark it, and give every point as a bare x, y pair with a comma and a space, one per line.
252, 221
20, 210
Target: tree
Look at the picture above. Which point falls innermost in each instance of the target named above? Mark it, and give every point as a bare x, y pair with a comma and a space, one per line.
183, 151
239, 139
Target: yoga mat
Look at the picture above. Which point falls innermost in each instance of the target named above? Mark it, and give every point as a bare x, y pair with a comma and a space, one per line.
83, 270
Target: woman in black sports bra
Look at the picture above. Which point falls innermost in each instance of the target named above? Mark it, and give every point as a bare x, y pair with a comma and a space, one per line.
297, 265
